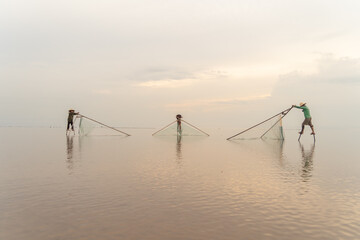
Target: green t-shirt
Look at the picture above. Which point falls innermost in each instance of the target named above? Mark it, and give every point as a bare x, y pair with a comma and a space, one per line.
305, 110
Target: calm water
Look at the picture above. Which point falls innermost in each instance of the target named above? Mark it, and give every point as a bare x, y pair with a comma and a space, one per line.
55, 187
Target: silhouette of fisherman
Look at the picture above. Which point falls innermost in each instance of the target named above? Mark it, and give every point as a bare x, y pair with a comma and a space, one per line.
70, 120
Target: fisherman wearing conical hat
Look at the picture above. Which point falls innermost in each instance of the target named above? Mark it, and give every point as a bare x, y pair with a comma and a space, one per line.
178, 120
307, 116
72, 113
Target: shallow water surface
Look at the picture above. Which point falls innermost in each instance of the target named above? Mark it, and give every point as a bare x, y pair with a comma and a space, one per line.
143, 187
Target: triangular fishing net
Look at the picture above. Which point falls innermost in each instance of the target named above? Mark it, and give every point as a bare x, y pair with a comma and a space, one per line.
86, 126
185, 129
271, 128
276, 131
91, 127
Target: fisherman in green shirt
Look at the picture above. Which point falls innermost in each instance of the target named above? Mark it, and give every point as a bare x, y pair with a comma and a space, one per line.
307, 120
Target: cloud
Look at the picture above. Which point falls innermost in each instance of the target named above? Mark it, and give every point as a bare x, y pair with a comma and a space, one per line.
332, 73
167, 83
103, 92
339, 70
332, 93
159, 72
215, 104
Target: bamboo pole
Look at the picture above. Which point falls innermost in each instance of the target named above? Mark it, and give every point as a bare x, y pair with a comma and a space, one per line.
105, 125
163, 128
196, 127
182, 121
284, 114
257, 124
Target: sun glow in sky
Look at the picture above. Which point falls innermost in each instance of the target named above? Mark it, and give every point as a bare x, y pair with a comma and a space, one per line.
138, 63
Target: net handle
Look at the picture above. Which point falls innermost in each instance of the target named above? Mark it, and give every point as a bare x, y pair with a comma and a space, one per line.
105, 125
195, 127
259, 123
284, 114
163, 128
182, 121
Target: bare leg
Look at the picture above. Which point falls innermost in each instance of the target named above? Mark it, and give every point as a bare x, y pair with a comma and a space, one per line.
312, 129
302, 129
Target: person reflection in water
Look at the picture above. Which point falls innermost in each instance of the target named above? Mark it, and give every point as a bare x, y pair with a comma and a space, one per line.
178, 149
307, 161
69, 146
69, 150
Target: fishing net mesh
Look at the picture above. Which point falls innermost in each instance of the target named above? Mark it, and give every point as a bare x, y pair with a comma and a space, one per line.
85, 126
270, 129
184, 130
91, 128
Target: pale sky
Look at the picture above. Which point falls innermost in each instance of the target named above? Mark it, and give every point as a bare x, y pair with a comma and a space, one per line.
218, 63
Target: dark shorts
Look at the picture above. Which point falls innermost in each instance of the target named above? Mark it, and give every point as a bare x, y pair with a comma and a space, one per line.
307, 121
68, 125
